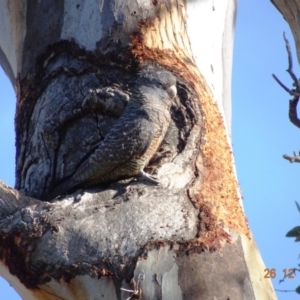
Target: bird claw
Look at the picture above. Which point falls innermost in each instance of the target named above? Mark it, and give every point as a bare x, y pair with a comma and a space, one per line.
159, 155
144, 176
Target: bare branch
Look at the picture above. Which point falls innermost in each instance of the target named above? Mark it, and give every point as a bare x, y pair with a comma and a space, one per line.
290, 59
282, 85
293, 116
291, 159
293, 112
293, 92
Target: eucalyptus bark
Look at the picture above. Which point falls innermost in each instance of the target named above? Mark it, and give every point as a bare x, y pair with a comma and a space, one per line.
72, 65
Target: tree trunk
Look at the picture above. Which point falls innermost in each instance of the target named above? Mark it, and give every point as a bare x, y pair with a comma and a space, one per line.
75, 67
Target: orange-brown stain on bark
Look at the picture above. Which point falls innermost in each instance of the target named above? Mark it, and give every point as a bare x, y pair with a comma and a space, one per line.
216, 192
40, 294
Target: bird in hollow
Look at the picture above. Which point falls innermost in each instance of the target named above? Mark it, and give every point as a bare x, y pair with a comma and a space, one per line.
134, 138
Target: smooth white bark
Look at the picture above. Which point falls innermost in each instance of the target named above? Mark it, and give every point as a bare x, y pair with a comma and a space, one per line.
210, 26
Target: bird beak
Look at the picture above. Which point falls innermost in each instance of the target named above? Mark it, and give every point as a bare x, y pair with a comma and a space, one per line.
172, 91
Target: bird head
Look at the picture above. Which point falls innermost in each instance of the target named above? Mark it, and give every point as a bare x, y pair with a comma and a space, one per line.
160, 78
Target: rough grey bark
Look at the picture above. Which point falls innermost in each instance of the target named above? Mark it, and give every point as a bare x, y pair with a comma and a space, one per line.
67, 240
73, 69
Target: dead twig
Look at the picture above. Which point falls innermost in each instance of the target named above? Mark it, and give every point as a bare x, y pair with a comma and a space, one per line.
293, 92
291, 159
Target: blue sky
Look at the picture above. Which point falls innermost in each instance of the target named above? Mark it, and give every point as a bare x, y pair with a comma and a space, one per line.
261, 133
